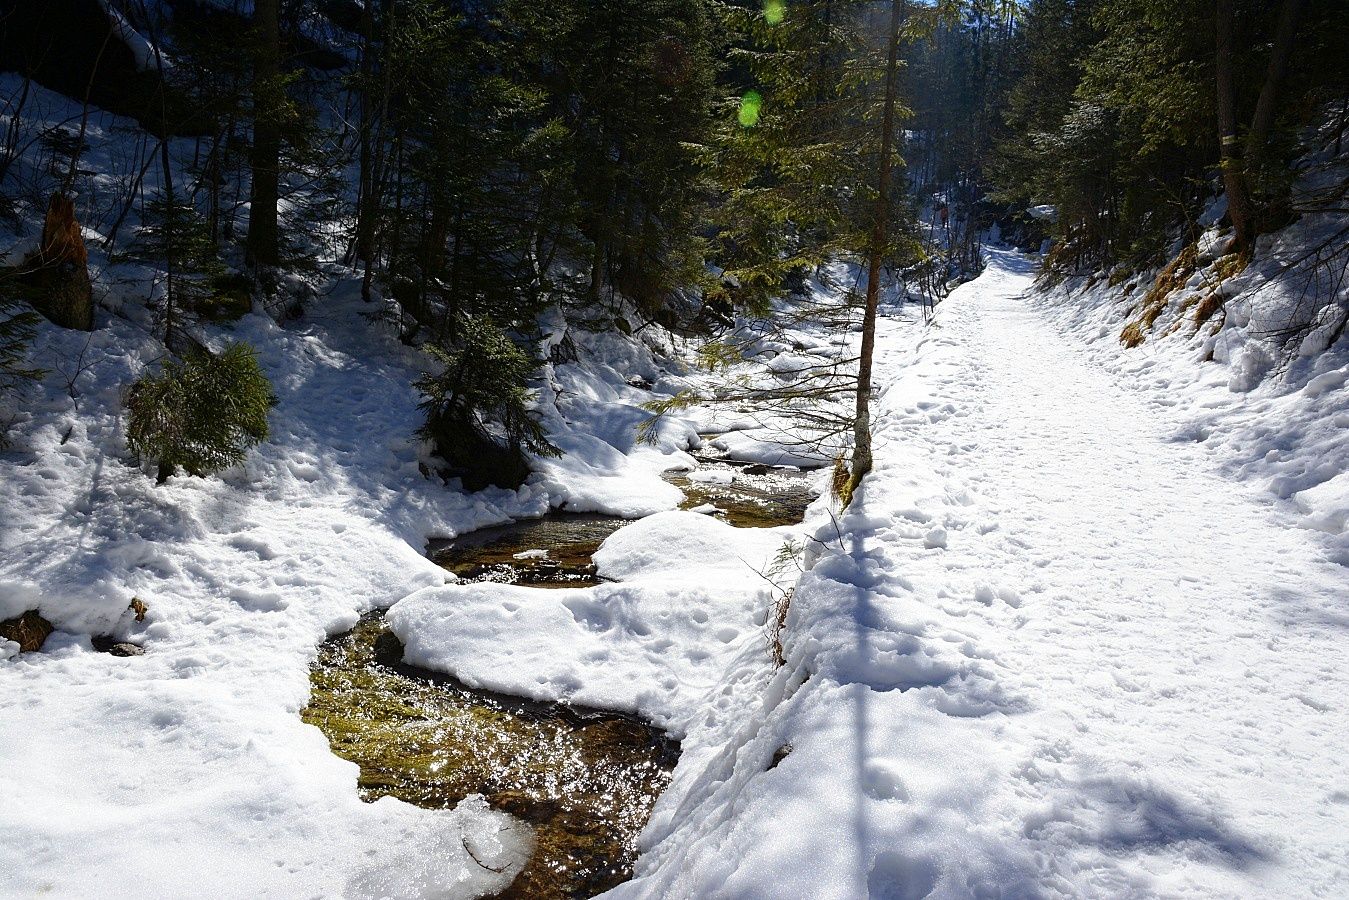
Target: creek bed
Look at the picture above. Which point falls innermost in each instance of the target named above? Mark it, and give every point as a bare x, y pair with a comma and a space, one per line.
585, 780
747, 495
552, 551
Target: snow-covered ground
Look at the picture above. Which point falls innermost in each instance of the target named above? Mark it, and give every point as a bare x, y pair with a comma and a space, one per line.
1083, 633
1051, 651
1057, 647
186, 772
685, 613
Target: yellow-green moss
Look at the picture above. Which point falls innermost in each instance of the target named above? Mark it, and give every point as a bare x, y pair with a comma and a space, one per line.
585, 784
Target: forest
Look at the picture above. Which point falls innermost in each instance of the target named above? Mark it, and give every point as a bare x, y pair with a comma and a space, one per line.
877, 387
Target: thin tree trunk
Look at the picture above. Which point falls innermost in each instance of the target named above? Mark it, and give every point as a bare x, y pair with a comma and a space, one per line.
170, 210
1265, 106
263, 234
861, 457
69, 184
10, 151
365, 204
170, 217
136, 189
1233, 166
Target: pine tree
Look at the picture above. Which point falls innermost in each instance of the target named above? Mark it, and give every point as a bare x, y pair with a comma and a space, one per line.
788, 153
201, 414
630, 82
861, 454
477, 407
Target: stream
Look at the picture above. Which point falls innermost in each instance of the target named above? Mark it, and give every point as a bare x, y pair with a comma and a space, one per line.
584, 779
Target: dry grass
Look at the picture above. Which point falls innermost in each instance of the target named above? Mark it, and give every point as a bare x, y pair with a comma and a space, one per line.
1172, 278
1229, 266
838, 483
1233, 264
783, 606
1206, 308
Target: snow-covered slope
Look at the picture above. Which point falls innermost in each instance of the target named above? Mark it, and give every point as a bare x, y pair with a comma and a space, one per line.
1248, 361
188, 769
1051, 651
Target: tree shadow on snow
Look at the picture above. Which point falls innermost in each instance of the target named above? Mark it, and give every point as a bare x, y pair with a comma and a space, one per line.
1126, 816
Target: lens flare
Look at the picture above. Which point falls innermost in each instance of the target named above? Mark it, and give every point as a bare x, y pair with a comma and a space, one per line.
749, 109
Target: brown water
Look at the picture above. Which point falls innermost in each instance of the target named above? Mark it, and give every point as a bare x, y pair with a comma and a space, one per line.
501, 553
757, 497
584, 779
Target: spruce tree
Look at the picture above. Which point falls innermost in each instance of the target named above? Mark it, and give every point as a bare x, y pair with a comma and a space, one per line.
201, 414
18, 326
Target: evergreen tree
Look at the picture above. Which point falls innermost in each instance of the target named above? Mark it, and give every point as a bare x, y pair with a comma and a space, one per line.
1122, 105
201, 414
788, 157
630, 81
477, 408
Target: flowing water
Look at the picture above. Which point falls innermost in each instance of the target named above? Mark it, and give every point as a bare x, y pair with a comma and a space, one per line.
586, 780
746, 495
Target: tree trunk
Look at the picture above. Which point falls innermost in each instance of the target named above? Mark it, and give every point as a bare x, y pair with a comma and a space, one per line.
366, 208
1266, 105
1233, 166
861, 457
59, 270
170, 256
263, 236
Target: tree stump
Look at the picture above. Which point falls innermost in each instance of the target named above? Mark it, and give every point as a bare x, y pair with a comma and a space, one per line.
58, 272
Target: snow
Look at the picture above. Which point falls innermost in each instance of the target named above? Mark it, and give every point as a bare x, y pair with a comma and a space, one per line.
686, 602
772, 446
187, 772
1261, 388
1081, 633
593, 414
197, 747
1326, 505
142, 50
1121, 673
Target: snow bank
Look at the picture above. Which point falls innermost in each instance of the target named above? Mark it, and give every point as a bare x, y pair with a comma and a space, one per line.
1269, 412
592, 413
186, 772
656, 643
770, 446
1261, 383
1114, 675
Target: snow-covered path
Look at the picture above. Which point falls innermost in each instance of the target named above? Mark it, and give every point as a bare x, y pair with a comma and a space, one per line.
1049, 651
1172, 652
